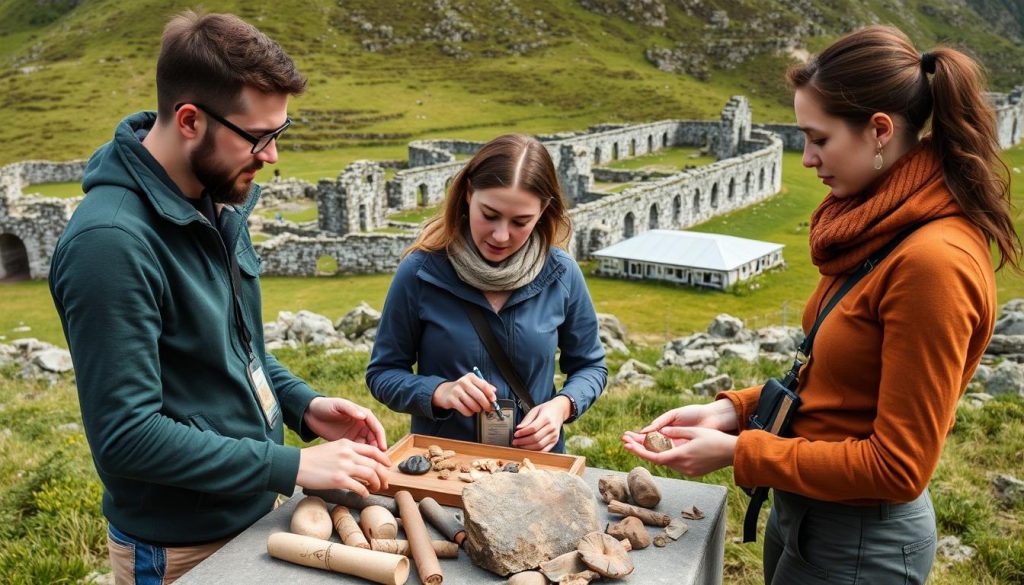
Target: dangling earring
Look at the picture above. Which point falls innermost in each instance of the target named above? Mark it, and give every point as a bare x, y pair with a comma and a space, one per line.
878, 157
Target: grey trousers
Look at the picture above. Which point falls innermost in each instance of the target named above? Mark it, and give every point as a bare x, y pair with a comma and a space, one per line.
811, 541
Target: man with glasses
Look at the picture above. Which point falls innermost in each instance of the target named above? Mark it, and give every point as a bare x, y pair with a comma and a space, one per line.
157, 285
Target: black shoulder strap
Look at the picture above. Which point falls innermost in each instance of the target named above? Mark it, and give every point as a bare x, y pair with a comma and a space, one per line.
804, 352
508, 371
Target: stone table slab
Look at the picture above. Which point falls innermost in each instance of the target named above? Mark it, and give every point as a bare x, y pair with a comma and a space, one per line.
696, 558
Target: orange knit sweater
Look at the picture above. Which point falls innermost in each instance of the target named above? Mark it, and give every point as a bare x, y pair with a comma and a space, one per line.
888, 366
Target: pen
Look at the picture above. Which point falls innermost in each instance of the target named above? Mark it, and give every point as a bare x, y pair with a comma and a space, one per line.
494, 403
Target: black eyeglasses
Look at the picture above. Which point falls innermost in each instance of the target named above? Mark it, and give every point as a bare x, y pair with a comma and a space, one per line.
258, 142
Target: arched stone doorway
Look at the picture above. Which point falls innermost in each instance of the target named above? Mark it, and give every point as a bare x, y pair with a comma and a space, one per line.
627, 226
652, 217
13, 259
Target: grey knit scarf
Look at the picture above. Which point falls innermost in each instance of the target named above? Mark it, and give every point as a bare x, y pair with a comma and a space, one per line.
514, 272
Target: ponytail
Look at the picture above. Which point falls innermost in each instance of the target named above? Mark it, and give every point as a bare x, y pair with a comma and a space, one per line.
964, 133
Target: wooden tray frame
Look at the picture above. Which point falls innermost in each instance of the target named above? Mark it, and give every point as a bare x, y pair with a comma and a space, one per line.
448, 492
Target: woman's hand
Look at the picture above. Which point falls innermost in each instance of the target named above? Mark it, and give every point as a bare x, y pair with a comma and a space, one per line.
468, 395
719, 415
540, 429
696, 450
337, 418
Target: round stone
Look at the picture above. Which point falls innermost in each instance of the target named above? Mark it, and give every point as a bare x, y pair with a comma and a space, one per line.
415, 465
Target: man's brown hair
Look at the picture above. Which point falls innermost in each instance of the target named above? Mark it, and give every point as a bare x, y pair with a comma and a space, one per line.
210, 58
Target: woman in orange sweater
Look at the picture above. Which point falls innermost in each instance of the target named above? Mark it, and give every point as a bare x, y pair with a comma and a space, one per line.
891, 360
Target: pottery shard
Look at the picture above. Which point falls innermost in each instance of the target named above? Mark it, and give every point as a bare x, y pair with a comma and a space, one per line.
516, 521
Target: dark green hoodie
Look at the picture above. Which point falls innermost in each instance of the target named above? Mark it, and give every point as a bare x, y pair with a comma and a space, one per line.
142, 283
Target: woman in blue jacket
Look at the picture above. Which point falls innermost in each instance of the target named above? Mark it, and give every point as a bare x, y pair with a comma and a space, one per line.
497, 247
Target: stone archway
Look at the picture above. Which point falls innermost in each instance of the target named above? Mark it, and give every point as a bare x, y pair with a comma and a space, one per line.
677, 209
652, 217
423, 199
627, 226
14, 263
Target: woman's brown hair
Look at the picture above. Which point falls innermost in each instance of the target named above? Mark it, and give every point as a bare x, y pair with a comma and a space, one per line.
877, 69
512, 160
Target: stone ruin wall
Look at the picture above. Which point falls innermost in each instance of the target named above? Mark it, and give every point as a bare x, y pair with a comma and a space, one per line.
30, 225
681, 200
675, 201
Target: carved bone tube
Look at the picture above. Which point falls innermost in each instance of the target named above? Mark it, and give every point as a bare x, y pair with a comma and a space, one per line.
371, 565
419, 540
648, 517
443, 520
378, 523
442, 548
347, 528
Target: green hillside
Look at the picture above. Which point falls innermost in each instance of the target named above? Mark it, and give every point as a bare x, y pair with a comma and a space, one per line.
386, 72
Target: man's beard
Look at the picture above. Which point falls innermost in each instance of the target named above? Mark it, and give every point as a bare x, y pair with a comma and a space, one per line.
219, 182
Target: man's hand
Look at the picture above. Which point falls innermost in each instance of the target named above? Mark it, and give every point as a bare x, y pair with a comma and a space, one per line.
343, 464
337, 418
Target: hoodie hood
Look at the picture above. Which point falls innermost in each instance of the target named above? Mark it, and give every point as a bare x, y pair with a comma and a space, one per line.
122, 162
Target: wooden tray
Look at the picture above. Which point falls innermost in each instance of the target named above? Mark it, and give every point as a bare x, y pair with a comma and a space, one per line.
448, 492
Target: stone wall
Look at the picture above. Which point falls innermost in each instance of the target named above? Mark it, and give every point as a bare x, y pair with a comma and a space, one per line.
29, 229
421, 186
291, 255
1009, 109
355, 201
30, 225
791, 136
680, 200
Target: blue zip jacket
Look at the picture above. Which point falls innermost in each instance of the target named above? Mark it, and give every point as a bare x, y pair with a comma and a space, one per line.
424, 323
142, 284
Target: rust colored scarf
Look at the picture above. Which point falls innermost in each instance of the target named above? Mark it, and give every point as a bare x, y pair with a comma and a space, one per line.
846, 231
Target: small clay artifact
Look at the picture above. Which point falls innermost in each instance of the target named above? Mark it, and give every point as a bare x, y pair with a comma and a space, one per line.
612, 488
604, 555
660, 540
633, 530
415, 465
642, 488
511, 467
657, 442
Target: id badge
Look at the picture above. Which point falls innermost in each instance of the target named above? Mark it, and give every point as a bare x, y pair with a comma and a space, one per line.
264, 395
491, 430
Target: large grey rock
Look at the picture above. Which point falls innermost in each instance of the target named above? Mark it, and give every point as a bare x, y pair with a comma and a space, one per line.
612, 325
1013, 306
1004, 344
358, 320
516, 521
783, 340
951, 548
53, 360
1011, 323
1006, 378
1009, 489
689, 358
273, 331
725, 326
714, 385
981, 376
634, 373
745, 351
612, 333
311, 328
